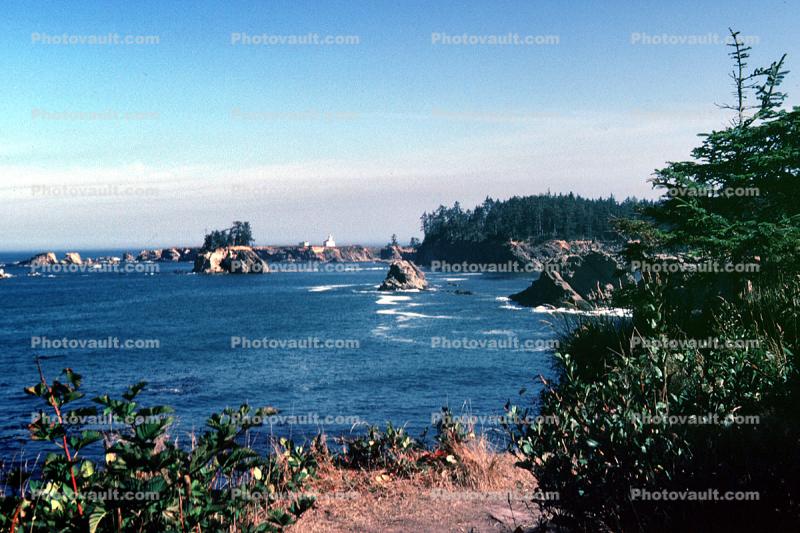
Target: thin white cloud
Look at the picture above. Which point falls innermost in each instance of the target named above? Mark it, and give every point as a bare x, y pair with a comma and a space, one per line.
592, 154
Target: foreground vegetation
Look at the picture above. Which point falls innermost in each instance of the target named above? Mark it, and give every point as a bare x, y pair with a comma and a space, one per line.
146, 482
681, 419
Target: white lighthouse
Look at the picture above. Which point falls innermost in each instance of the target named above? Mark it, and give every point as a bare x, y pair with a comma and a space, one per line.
329, 242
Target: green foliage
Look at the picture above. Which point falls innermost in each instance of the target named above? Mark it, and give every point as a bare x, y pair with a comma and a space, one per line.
529, 217
615, 390
395, 451
738, 200
239, 234
608, 438
147, 482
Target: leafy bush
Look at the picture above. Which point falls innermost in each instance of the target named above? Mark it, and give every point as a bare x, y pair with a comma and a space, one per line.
611, 434
606, 434
397, 452
148, 483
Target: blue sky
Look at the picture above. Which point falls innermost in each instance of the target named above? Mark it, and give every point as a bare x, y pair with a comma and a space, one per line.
357, 140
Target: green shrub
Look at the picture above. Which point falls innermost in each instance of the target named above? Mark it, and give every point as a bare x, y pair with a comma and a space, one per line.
610, 435
147, 482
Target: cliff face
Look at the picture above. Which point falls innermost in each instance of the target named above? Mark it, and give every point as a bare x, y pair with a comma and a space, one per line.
499, 252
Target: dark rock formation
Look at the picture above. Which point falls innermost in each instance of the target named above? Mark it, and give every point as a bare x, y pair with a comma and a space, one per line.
574, 280
231, 260
550, 289
596, 274
522, 255
485, 252
171, 255
189, 254
403, 275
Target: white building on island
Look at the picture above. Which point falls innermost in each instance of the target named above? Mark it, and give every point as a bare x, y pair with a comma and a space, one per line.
329, 242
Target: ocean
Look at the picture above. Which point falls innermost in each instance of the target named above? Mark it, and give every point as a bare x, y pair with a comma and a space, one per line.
324, 347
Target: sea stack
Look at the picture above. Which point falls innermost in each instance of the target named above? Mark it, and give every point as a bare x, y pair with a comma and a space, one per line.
403, 276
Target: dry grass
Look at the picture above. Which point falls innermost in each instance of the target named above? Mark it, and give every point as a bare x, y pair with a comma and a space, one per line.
482, 491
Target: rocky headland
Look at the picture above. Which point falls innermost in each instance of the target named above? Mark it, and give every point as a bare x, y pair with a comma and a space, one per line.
526, 255
296, 254
578, 278
396, 253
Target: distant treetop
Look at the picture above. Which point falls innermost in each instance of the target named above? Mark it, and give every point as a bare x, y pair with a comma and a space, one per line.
542, 216
239, 234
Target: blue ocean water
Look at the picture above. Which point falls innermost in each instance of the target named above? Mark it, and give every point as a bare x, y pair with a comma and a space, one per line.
384, 367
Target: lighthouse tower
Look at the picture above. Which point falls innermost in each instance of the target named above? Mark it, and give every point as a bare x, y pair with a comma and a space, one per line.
329, 242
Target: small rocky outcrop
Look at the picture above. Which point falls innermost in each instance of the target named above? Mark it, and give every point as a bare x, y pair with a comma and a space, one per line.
48, 258
3, 274
128, 257
404, 275
73, 258
230, 260
171, 255
149, 255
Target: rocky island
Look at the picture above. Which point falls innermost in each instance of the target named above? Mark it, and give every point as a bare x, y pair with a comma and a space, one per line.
403, 276
230, 260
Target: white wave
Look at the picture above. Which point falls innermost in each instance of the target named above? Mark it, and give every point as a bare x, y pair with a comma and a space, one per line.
614, 311
408, 314
499, 332
503, 299
323, 288
391, 299
383, 332
455, 279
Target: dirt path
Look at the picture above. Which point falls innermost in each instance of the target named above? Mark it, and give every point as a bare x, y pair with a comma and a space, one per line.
403, 507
